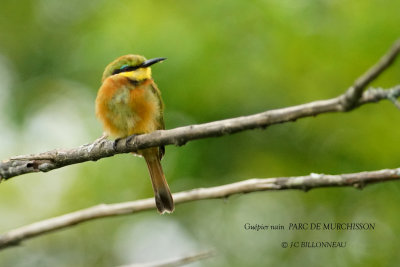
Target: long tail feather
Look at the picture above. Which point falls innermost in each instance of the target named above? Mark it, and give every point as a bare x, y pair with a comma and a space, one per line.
164, 201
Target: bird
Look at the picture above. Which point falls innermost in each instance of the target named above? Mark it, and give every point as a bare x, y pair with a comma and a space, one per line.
129, 103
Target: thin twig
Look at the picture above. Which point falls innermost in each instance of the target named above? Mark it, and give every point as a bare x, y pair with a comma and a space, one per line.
357, 180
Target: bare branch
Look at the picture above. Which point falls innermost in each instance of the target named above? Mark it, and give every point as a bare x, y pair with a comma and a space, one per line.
106, 148
175, 262
357, 180
378, 94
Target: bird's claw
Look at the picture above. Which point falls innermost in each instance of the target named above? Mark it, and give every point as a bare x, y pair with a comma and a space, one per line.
128, 140
97, 141
115, 143
131, 137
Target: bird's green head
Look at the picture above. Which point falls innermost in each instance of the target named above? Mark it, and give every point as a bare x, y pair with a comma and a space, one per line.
134, 67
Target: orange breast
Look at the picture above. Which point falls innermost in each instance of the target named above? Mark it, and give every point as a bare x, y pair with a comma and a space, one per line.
126, 109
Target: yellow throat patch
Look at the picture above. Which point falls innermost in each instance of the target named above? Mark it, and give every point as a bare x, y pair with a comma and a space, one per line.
138, 75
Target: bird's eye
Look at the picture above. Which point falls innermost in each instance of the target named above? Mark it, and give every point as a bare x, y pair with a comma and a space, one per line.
125, 68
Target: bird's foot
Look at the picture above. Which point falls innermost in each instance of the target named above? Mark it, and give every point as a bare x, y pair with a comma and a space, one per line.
116, 143
97, 141
128, 140
131, 137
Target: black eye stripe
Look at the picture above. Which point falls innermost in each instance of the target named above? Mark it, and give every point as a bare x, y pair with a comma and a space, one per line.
125, 69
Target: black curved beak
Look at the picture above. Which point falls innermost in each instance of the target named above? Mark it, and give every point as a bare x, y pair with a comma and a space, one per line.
152, 61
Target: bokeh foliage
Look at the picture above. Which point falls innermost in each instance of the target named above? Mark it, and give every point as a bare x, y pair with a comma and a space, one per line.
225, 59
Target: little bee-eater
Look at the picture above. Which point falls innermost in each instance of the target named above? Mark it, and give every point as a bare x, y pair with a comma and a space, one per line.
129, 102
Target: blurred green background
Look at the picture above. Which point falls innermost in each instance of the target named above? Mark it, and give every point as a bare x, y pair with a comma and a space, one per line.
225, 59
